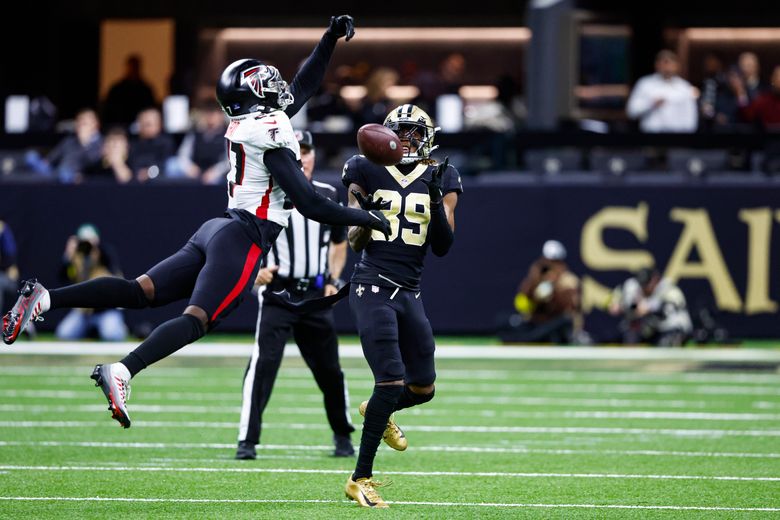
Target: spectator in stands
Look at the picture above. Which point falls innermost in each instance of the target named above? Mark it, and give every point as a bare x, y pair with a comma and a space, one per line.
74, 153
547, 302
201, 156
376, 104
113, 160
9, 272
746, 76
653, 310
446, 79
87, 257
664, 102
764, 109
150, 151
717, 102
127, 97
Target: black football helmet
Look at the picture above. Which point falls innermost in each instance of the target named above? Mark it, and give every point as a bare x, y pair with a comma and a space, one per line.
247, 86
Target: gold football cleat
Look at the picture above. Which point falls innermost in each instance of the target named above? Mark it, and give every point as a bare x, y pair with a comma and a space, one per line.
363, 491
393, 436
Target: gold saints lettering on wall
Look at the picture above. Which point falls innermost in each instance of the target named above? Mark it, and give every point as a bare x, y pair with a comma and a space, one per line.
696, 235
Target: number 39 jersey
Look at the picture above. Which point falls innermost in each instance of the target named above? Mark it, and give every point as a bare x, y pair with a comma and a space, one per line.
250, 185
399, 259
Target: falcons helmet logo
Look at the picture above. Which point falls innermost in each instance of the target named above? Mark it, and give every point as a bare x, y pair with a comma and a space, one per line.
254, 79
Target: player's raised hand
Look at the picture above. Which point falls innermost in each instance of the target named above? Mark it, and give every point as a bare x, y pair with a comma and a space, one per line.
368, 203
379, 222
434, 185
343, 25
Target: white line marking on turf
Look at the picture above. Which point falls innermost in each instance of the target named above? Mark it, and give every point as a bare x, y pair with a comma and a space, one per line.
317, 397
458, 449
691, 433
401, 473
410, 503
183, 409
347, 350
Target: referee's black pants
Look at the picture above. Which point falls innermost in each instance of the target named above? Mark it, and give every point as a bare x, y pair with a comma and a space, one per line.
316, 337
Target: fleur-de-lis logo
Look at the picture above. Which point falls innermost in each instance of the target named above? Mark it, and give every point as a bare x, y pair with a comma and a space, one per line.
360, 290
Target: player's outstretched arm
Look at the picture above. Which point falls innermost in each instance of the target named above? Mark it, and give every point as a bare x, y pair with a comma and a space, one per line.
359, 236
441, 229
309, 77
286, 172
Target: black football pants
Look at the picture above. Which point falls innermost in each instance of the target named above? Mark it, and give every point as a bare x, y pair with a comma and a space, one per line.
316, 337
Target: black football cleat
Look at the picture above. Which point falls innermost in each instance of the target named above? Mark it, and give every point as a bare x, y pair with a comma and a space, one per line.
26, 309
246, 451
343, 446
116, 389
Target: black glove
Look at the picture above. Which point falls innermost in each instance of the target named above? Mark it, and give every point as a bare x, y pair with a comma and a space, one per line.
379, 222
434, 185
343, 25
368, 203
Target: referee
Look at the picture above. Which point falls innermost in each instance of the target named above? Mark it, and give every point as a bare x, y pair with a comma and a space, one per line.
306, 260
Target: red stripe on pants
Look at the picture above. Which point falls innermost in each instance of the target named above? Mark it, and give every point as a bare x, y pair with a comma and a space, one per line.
249, 264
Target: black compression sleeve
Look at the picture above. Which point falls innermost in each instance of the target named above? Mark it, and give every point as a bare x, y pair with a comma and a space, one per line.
309, 77
286, 172
439, 230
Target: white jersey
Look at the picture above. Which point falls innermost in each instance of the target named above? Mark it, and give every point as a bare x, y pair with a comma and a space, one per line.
250, 185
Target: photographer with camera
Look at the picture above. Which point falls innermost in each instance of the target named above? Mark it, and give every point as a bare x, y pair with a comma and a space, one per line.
87, 257
653, 310
547, 302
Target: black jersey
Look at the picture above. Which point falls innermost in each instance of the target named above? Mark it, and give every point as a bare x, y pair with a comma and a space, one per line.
398, 260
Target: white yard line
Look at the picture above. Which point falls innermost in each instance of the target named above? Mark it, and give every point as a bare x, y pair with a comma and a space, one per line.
394, 502
689, 433
448, 449
418, 412
230, 398
442, 351
492, 474
452, 374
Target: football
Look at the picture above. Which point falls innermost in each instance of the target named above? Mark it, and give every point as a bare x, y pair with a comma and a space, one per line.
379, 144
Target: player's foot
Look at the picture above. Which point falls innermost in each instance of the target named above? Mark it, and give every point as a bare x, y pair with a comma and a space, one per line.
26, 309
246, 451
114, 379
363, 491
393, 435
343, 446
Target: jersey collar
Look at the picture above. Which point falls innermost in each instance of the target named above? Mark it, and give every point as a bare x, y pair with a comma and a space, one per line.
406, 180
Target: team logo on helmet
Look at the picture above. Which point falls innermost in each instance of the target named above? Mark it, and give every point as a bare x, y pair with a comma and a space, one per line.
254, 78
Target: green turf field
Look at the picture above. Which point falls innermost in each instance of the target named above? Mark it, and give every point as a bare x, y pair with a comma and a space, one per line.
502, 439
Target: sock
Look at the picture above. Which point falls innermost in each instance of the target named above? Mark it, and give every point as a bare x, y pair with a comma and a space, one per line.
45, 301
379, 409
164, 341
409, 399
100, 293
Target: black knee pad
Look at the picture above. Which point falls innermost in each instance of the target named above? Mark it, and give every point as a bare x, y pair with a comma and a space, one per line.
418, 398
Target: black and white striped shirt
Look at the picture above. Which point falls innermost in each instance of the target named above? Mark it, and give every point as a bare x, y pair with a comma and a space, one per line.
301, 250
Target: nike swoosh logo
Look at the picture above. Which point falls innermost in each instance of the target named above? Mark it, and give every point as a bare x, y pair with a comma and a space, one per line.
417, 296
271, 122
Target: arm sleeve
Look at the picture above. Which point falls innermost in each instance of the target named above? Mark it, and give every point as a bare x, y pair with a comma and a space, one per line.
439, 230
285, 170
309, 77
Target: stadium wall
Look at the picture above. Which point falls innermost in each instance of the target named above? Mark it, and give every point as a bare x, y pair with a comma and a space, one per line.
720, 241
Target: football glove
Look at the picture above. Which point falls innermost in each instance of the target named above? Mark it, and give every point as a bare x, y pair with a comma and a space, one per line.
434, 185
343, 25
368, 203
379, 222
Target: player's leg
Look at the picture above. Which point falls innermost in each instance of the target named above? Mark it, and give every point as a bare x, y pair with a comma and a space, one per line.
170, 280
274, 327
375, 317
417, 350
317, 340
231, 263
